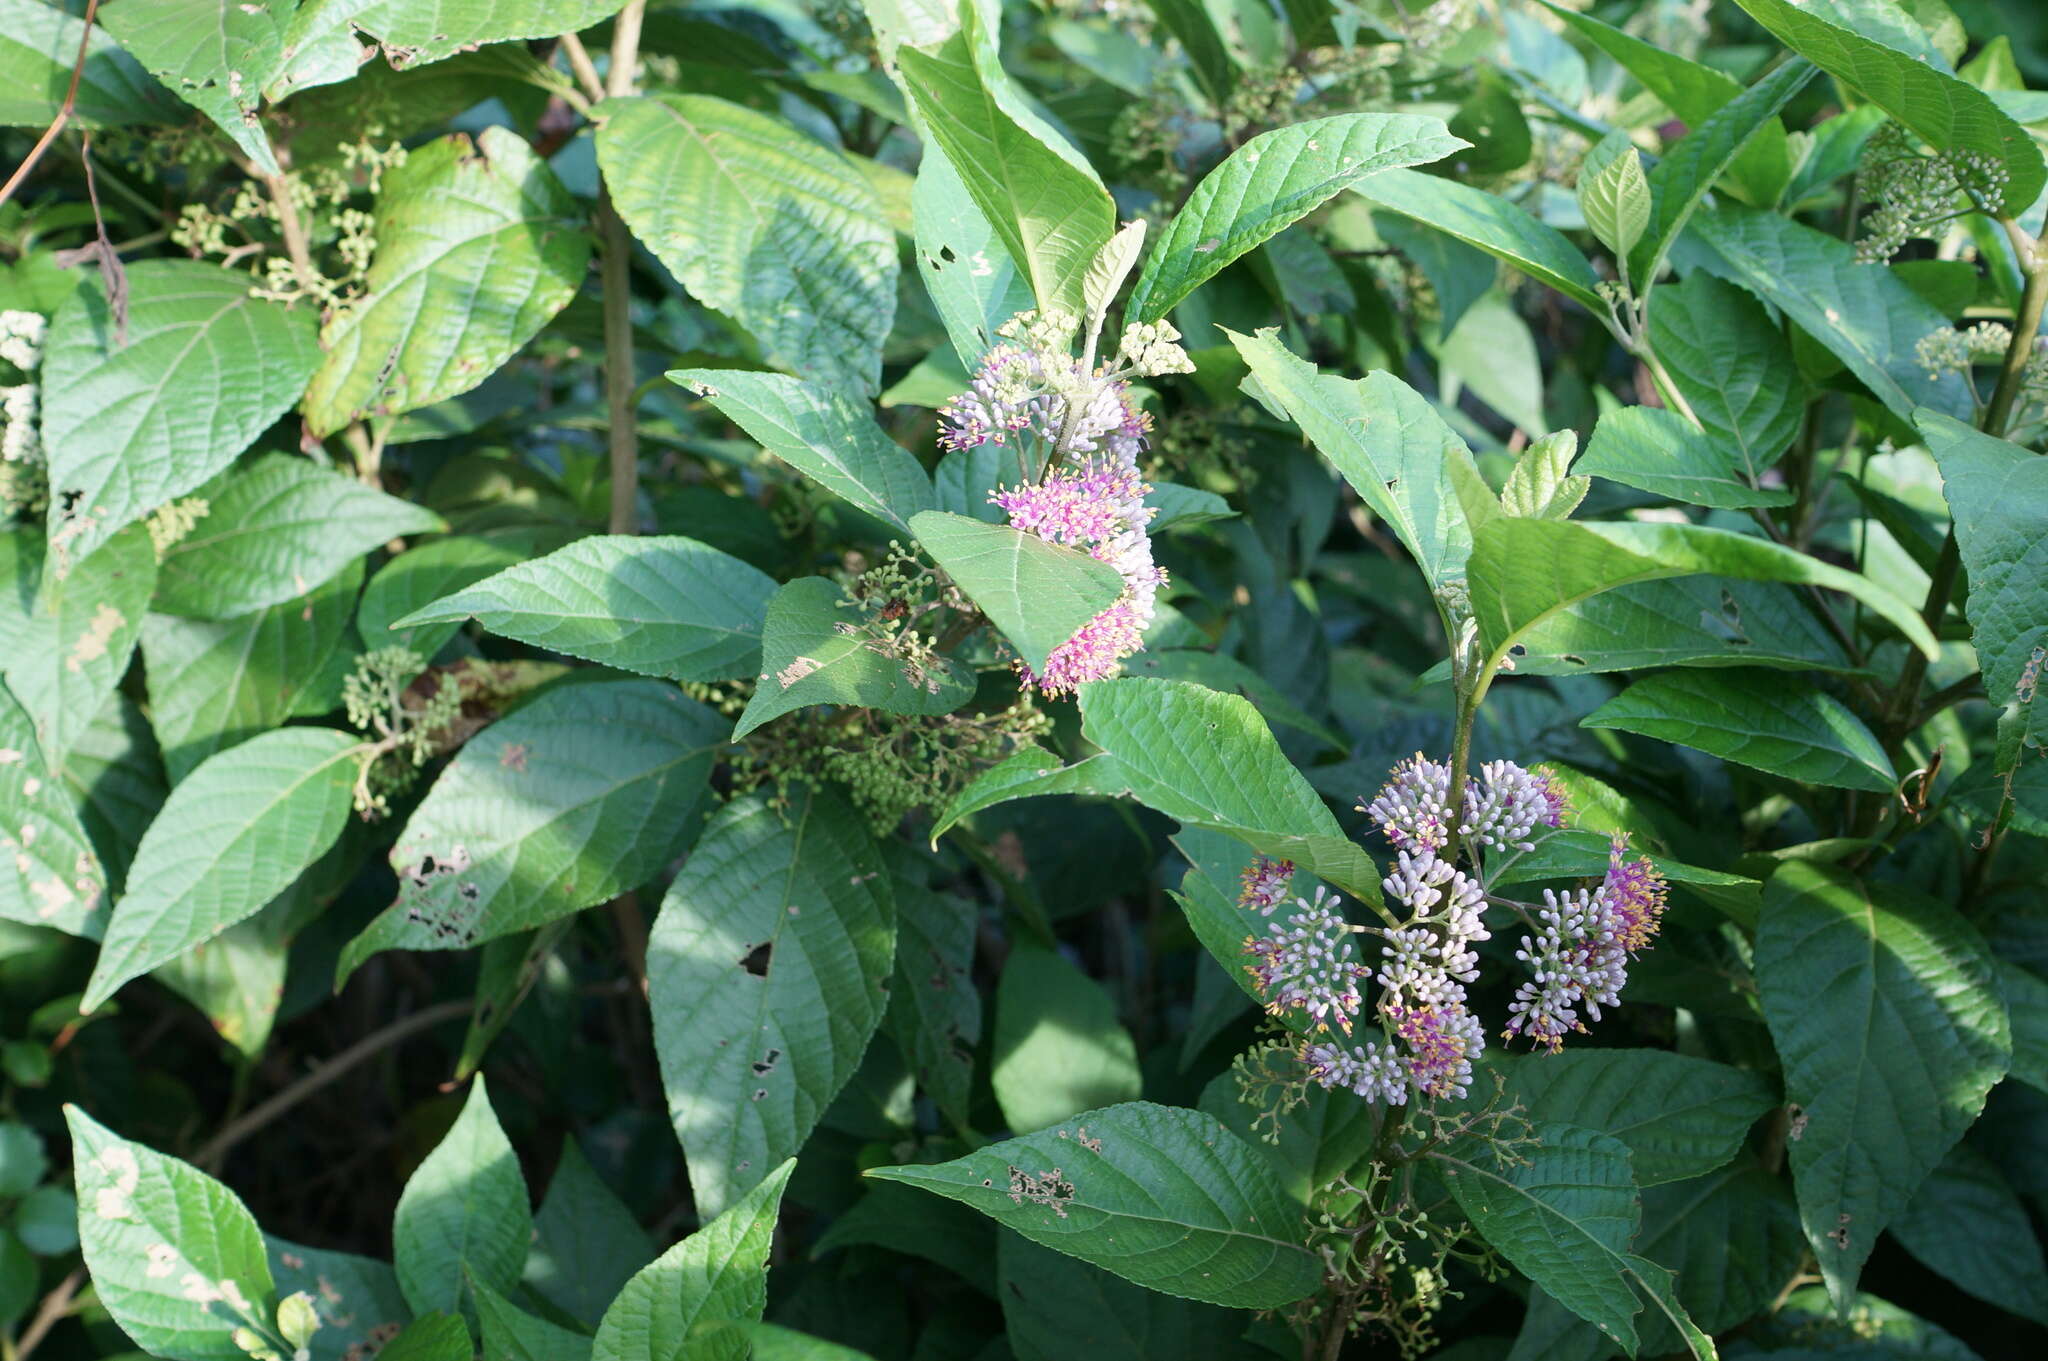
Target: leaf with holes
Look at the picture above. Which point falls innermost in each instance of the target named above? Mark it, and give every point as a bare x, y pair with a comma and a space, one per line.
137, 420
217, 58
769, 970
668, 606
782, 234
1163, 1197
463, 1215
1681, 621
479, 246
1898, 990
585, 791
973, 282
1037, 593
1786, 729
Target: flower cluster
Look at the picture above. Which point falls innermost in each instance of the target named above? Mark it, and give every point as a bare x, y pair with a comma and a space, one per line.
1915, 193
1075, 435
1263, 884
1578, 958
1308, 962
24, 481
1499, 808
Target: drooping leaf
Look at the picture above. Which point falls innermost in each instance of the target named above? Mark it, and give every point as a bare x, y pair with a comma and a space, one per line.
53, 875
205, 369
175, 1256
479, 246
782, 234
217, 58
718, 1272
1056, 1308
1494, 225
972, 279
1967, 1224
1791, 730
1041, 198
230, 838
464, 1214
1163, 1197
823, 434
1037, 593
1059, 1048
768, 968
586, 791
1732, 365
39, 46
587, 1244
1896, 989
657, 605
1661, 452
275, 530
1271, 181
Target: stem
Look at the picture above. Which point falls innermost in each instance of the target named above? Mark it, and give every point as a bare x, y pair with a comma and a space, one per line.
582, 67
617, 280
293, 230
35, 153
56, 1305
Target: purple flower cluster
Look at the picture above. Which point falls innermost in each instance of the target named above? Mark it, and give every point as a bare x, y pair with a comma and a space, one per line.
1578, 958
1308, 962
1499, 807
1263, 884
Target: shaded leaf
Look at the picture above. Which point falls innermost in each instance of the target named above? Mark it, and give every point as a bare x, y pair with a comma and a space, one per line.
463, 1215
1494, 225
587, 1244
1790, 730
52, 875
38, 48
1058, 1046
1056, 1308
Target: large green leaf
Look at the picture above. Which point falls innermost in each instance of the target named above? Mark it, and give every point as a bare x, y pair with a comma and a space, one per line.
1732, 364
823, 434
1967, 1223
785, 236
768, 969
216, 57
1786, 729
1679, 1117
1059, 1048
1865, 315
586, 1243
463, 1215
1950, 114
934, 1007
432, 1337
1164, 1197
132, 421
53, 877
71, 647
661, 606
1681, 621
1566, 1217
213, 684
1387, 440
175, 1256
232, 836
1494, 225
973, 282
718, 1272
1037, 593
1661, 452
1043, 200
1892, 1029
584, 792
435, 570
479, 245
38, 48
1271, 181
1325, 1137
815, 649
273, 531
1058, 1308
413, 35
1998, 494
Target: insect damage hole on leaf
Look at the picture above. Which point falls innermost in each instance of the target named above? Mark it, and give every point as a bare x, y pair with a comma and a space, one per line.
756, 960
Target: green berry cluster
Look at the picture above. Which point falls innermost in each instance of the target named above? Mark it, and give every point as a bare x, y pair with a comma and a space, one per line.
1914, 192
380, 699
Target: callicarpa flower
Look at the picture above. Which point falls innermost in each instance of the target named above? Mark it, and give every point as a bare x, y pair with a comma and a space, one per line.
1413, 809
1579, 956
1308, 962
1264, 884
1370, 1071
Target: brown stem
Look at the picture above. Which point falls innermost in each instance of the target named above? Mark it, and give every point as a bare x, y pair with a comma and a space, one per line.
35, 153
56, 1305
617, 279
582, 67
293, 230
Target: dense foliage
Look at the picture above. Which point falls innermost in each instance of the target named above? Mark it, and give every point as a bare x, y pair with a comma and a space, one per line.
1093, 678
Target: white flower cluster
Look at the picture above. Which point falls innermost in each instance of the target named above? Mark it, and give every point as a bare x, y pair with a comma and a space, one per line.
21, 344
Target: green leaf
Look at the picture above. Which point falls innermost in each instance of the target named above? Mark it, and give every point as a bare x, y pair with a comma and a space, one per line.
767, 1342
934, 1007
1566, 1219
1582, 853
1494, 225
785, 236
660, 606
1163, 1197
1968, 1225
966, 269
1541, 486
823, 434
54, 877
1057, 1308
718, 1272
2026, 999
1896, 990
1058, 1049
434, 571
1524, 572
584, 792
768, 968
1037, 593
1615, 198
213, 684
587, 1244
413, 36
358, 1298
1949, 113
1493, 352
1997, 493
1865, 315
1789, 730
232, 836
217, 58
120, 419
273, 531
71, 633
1387, 440
1270, 182
917, 1225
1043, 200
512, 1334
1681, 621
38, 48
1218, 671
463, 1215
435, 1337
479, 246
1678, 1117
175, 1256
1320, 1140
816, 650
1661, 452
117, 781
1731, 364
